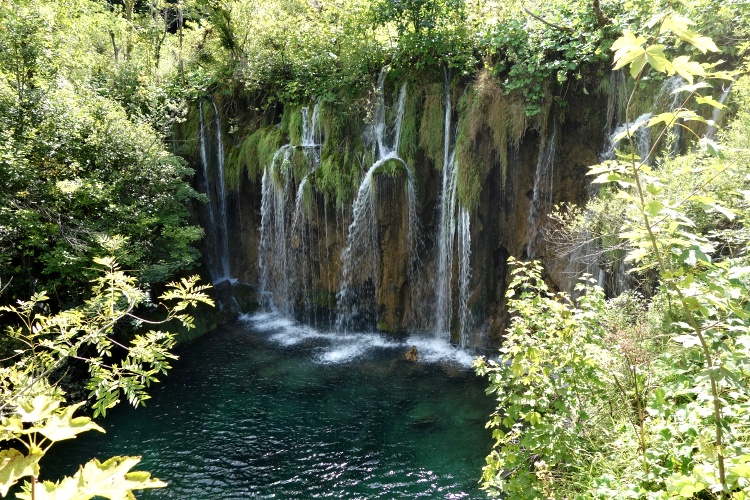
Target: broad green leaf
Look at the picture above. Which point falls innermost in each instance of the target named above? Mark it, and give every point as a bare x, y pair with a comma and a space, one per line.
11, 427
109, 479
657, 59
637, 254
64, 426
654, 207
638, 64
691, 88
37, 409
627, 49
702, 43
710, 101
112, 478
14, 465
67, 489
687, 69
676, 24
684, 486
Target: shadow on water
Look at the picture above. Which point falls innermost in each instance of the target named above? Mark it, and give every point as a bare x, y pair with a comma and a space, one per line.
269, 409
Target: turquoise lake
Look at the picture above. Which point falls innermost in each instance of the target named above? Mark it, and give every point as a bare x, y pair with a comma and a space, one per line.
269, 408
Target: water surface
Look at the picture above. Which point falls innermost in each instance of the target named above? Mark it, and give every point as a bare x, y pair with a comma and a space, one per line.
268, 408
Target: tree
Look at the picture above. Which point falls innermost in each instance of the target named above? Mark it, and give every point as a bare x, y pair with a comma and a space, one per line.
32, 405
665, 382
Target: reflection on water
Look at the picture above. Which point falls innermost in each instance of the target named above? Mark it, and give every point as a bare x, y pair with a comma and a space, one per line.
272, 409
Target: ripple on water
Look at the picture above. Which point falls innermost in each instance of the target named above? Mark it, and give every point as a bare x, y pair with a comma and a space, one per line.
274, 409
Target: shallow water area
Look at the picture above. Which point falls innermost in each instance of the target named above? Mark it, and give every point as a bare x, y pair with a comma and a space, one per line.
270, 408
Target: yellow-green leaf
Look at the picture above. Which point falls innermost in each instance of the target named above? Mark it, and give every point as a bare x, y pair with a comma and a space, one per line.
710, 101
686, 68
14, 465
627, 49
656, 58
110, 479
64, 426
37, 409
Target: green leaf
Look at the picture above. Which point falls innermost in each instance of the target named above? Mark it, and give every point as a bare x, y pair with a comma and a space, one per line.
637, 65
627, 49
656, 58
691, 88
37, 409
710, 101
654, 207
63, 426
14, 465
684, 486
110, 479
687, 69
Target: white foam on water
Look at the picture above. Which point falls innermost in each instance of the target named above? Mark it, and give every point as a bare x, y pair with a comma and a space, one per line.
350, 346
436, 350
282, 330
346, 347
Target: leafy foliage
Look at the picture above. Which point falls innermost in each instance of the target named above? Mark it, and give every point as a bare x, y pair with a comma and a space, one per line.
32, 404
666, 381
77, 164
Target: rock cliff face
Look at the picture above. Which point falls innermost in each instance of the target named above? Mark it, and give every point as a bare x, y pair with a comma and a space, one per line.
444, 181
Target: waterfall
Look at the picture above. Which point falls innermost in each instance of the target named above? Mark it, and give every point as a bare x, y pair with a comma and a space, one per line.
454, 225
311, 135
360, 267
275, 276
446, 238
361, 252
216, 194
641, 138
541, 202
464, 274
286, 254
310, 127
713, 127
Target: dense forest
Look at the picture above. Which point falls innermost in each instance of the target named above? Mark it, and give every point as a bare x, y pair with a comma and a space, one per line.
567, 181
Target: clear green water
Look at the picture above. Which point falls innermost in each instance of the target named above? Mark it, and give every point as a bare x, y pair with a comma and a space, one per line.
272, 409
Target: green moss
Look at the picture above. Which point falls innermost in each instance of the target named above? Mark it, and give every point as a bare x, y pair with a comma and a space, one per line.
292, 124
432, 126
308, 198
384, 325
248, 154
189, 131
341, 154
473, 164
270, 141
409, 140
301, 164
324, 298
233, 169
281, 167
392, 167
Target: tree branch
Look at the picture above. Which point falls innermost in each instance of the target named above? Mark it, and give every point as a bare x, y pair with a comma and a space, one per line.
556, 26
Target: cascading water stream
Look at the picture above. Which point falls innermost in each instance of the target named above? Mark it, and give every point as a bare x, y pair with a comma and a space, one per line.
464, 275
285, 235
360, 259
541, 202
217, 199
454, 225
273, 254
716, 115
